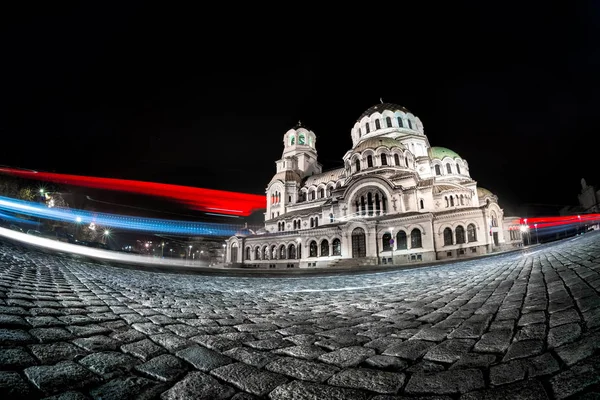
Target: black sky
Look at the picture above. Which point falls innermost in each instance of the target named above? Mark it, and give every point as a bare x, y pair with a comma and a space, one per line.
203, 96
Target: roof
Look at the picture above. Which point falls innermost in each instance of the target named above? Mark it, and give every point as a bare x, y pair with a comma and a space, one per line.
324, 177
441, 152
287, 176
301, 125
298, 213
375, 142
382, 107
481, 192
426, 182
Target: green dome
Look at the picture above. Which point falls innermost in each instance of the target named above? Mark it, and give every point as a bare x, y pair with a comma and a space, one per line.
481, 192
441, 152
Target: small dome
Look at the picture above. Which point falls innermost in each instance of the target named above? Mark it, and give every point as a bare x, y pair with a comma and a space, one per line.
380, 108
441, 152
287, 176
375, 142
481, 192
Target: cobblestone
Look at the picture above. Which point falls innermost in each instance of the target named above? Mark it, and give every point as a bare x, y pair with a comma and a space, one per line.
518, 325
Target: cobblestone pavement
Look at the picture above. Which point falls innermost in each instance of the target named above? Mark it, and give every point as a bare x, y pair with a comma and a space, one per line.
513, 326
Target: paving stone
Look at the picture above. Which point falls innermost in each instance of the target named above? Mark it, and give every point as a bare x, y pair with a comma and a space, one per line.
307, 352
215, 342
268, 344
368, 379
537, 317
302, 369
473, 360
128, 336
446, 382
170, 341
471, 328
531, 332
564, 317
12, 386
50, 353
410, 350
338, 342
15, 359
563, 334
203, 359
508, 324
348, 356
523, 349
183, 330
526, 390
544, 364
508, 372
299, 390
381, 344
44, 321
45, 335
108, 364
425, 367
249, 379
70, 395
76, 319
97, 343
144, 349
163, 368
494, 342
256, 358
128, 388
87, 330
449, 351
386, 362
59, 377
573, 381
14, 337
197, 385
580, 349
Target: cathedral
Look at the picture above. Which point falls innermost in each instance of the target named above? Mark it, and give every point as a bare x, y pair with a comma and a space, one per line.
397, 200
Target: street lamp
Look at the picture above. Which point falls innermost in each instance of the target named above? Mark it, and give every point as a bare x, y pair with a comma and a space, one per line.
162, 250
77, 222
537, 240
106, 235
190, 252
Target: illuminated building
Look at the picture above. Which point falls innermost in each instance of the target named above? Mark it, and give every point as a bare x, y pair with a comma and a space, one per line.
397, 199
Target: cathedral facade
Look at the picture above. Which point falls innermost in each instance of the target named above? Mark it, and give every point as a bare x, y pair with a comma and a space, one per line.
397, 200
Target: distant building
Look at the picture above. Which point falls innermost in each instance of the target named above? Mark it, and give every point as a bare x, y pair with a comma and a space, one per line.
588, 198
396, 200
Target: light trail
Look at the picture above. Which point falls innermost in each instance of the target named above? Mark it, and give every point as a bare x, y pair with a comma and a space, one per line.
131, 223
232, 203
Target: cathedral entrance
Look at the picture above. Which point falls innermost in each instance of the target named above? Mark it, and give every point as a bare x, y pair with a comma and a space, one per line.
234, 253
359, 243
495, 238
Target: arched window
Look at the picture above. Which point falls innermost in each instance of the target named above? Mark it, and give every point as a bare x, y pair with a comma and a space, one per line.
369, 161
247, 253
274, 252
446, 198
312, 249
312, 223
438, 170
396, 159
316, 221
377, 124
401, 242
388, 122
448, 168
400, 122
294, 224
385, 241
368, 127
415, 239
257, 253
409, 124
383, 159
283, 226
321, 193
292, 252
330, 218
337, 247
462, 200
406, 161
293, 140
471, 233
324, 248
460, 235
457, 169
422, 204
312, 194
265, 252
301, 139
451, 201
282, 252
494, 219
357, 164
448, 237
329, 190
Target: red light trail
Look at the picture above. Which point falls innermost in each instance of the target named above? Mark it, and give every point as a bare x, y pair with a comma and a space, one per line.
208, 200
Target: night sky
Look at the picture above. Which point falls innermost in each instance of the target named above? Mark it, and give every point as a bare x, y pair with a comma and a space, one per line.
202, 97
